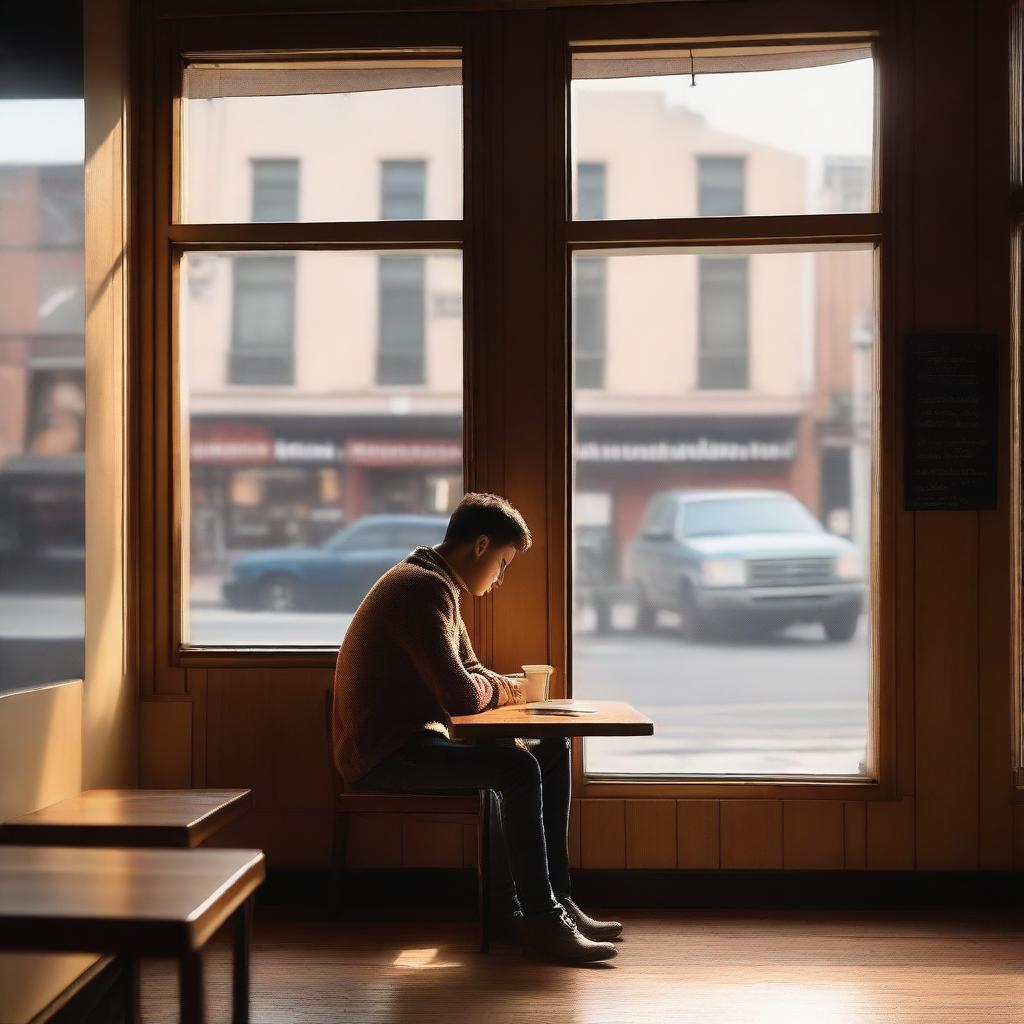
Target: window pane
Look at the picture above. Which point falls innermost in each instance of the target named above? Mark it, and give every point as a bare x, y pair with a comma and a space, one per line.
42, 392
722, 529
275, 190
784, 140
303, 491
342, 142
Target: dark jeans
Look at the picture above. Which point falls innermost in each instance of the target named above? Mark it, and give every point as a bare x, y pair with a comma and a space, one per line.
529, 806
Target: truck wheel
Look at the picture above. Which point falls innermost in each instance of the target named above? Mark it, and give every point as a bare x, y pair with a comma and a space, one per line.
694, 625
280, 594
841, 626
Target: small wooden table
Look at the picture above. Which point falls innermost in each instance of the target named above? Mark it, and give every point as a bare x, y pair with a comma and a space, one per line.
130, 817
134, 902
613, 718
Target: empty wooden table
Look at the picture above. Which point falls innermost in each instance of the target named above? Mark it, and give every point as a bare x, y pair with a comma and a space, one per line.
130, 817
135, 902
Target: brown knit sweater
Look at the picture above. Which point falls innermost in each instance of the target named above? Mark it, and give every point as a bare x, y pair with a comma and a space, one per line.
406, 664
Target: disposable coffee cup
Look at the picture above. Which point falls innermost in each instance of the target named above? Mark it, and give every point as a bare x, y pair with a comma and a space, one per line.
537, 682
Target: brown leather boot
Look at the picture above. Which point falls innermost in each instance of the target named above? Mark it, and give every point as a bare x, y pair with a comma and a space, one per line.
555, 938
598, 931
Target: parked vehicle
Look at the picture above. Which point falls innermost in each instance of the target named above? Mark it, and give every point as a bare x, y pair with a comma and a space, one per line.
334, 576
596, 580
744, 558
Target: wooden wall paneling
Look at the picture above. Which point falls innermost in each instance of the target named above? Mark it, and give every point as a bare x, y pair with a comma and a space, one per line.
854, 835
750, 833
890, 835
697, 823
574, 834
946, 549
602, 834
995, 554
813, 835
289, 840
110, 697
266, 730
725, 18
374, 841
651, 839
520, 357
483, 465
240, 720
431, 844
297, 741
196, 682
165, 744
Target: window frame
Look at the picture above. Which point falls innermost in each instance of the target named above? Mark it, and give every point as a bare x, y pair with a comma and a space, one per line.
497, 452
164, 465
616, 29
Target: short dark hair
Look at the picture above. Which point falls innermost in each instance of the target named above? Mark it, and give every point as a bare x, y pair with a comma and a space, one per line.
490, 515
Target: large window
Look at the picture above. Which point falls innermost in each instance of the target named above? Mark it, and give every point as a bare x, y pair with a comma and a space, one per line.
299, 497
42, 392
723, 475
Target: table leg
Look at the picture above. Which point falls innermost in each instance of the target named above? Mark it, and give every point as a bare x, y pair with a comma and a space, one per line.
240, 966
483, 868
191, 988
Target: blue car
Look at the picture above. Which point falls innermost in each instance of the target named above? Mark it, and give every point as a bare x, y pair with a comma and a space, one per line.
744, 558
335, 576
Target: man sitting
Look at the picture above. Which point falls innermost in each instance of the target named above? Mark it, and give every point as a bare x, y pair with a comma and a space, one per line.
406, 665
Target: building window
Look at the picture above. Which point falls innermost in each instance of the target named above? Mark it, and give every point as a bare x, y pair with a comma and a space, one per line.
401, 320
401, 323
723, 336
847, 183
591, 191
262, 324
403, 186
720, 186
723, 298
589, 320
275, 190
589, 298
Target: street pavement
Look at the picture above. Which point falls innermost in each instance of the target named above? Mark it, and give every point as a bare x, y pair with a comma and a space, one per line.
790, 704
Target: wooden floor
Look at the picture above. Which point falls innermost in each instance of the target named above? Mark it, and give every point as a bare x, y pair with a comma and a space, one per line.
673, 966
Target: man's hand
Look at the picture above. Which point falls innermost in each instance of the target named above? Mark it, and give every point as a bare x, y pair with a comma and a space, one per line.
510, 690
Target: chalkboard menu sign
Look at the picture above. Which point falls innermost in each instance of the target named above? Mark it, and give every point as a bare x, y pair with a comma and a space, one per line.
951, 421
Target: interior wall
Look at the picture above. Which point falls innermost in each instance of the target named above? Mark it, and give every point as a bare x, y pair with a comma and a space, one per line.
953, 804
40, 747
110, 709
